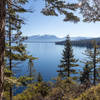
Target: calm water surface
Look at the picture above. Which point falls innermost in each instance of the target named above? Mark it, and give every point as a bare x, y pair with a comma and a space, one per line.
49, 56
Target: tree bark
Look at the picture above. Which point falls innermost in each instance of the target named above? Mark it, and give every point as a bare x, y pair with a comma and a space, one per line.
10, 51
2, 44
94, 64
10, 58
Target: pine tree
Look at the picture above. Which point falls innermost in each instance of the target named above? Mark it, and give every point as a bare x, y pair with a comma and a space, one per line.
85, 77
10, 53
30, 65
3, 12
15, 50
94, 59
68, 61
39, 77
31, 70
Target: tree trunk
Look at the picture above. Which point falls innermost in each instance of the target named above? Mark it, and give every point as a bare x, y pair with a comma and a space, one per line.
2, 44
94, 64
68, 65
10, 51
10, 58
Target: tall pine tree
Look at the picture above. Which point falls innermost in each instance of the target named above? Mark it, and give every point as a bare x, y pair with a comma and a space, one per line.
68, 61
15, 50
94, 59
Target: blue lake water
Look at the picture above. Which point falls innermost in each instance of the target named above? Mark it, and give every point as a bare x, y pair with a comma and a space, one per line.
49, 56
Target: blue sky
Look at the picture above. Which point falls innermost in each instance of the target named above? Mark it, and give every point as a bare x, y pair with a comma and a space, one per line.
38, 24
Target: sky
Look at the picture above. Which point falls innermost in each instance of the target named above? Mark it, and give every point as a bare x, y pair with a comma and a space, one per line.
39, 24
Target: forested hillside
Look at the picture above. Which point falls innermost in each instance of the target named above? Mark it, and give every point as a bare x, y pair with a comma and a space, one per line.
82, 43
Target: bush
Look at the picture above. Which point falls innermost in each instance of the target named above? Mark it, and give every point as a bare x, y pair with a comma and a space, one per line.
91, 94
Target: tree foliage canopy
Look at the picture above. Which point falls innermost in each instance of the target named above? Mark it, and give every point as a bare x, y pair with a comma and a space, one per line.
56, 7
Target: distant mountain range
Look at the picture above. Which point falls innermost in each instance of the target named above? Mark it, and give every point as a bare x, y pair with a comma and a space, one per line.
44, 38
49, 38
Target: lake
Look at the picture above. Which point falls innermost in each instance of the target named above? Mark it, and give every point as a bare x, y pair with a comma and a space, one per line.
49, 56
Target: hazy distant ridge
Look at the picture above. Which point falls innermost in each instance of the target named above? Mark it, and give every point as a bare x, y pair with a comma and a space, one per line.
49, 38
44, 38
